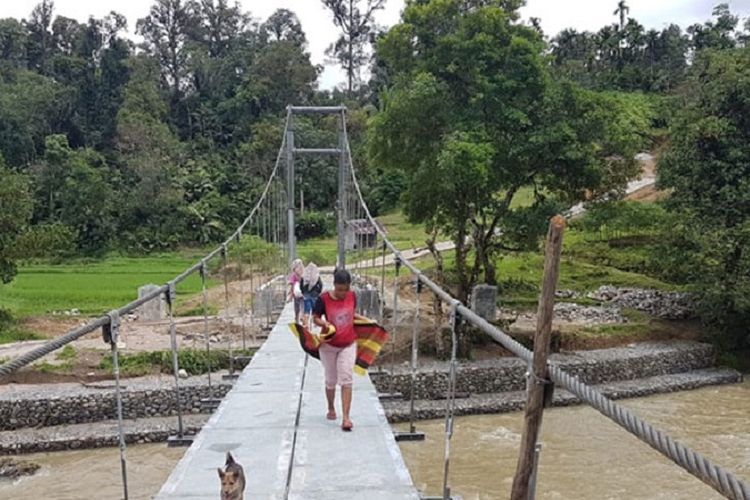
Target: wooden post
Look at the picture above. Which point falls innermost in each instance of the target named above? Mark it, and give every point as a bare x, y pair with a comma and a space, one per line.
538, 372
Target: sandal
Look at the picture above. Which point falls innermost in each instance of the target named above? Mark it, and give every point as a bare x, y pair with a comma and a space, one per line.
347, 426
331, 415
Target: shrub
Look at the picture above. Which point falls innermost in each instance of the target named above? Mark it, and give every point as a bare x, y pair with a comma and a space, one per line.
313, 224
46, 241
68, 352
623, 218
10, 331
385, 190
6, 318
193, 361
256, 252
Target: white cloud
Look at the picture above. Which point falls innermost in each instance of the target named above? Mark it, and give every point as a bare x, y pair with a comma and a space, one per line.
318, 25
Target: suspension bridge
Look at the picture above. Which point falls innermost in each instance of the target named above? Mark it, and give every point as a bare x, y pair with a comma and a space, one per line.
273, 419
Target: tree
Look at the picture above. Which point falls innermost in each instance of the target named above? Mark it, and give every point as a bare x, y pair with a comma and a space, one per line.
717, 34
91, 59
283, 25
355, 18
216, 25
173, 120
219, 47
15, 212
622, 10
67, 35
32, 106
40, 36
72, 188
111, 78
665, 57
13, 42
149, 216
473, 119
707, 165
280, 75
622, 58
165, 32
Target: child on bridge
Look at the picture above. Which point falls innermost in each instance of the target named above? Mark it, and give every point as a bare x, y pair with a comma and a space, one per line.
311, 285
295, 291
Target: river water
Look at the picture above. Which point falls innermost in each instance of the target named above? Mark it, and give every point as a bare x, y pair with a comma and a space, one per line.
585, 456
95, 474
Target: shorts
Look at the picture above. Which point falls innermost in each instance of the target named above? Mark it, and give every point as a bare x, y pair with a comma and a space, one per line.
309, 303
338, 364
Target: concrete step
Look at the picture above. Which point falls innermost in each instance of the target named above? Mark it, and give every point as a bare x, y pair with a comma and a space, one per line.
602, 366
45, 405
505, 402
95, 435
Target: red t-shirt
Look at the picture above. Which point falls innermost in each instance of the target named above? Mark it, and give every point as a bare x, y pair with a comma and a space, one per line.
340, 313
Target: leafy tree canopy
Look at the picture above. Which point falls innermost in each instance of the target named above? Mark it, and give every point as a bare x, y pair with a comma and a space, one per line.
473, 117
15, 212
707, 165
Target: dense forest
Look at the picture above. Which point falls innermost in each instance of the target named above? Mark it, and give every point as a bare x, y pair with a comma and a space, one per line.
151, 146
106, 144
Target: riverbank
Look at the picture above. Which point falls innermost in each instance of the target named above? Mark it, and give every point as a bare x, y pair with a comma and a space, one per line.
46, 405
507, 402
498, 385
55, 417
584, 456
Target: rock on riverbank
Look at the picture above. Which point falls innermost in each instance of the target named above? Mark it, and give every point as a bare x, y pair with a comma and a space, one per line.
13, 469
658, 303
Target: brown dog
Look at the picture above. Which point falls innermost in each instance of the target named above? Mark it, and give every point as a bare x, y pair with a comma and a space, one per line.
232, 480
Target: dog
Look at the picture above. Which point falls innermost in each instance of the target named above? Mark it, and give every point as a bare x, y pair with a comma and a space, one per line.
232, 480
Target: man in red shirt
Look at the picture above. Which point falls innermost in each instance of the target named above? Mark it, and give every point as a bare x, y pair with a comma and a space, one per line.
339, 353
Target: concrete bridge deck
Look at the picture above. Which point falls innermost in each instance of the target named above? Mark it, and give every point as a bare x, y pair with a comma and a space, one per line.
273, 421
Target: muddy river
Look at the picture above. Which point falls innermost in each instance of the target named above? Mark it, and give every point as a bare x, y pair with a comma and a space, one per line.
585, 456
94, 474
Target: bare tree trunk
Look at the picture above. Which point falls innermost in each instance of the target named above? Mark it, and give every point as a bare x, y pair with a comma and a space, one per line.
432, 247
490, 276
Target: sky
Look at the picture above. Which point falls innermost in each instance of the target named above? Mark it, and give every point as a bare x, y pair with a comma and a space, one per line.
318, 24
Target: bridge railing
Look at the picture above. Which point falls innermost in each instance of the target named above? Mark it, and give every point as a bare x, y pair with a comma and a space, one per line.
715, 476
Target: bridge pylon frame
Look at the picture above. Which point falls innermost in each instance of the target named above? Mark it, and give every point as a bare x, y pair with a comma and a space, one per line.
341, 151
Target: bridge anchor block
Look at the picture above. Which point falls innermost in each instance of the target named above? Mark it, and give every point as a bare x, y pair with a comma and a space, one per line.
177, 441
409, 436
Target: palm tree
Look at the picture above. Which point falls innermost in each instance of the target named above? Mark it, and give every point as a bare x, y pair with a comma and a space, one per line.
623, 10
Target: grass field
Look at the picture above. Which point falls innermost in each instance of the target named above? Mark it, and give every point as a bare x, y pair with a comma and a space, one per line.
94, 287
587, 264
91, 287
14, 333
